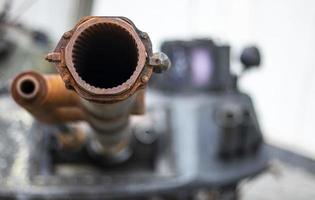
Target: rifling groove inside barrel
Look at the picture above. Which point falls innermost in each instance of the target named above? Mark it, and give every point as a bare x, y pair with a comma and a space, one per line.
105, 55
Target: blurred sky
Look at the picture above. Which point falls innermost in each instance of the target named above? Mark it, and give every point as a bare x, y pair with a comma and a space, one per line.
283, 89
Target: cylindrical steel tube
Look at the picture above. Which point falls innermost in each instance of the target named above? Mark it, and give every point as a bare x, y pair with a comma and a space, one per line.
46, 97
112, 131
108, 62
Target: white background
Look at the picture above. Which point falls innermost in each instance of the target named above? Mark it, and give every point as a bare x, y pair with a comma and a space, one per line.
283, 89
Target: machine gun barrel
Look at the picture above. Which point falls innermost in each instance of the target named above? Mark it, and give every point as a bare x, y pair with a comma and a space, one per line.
46, 98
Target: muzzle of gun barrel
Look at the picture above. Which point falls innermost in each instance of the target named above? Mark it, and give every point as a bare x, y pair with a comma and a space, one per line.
107, 61
46, 98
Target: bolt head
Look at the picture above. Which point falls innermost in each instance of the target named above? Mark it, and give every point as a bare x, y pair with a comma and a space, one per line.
67, 35
160, 62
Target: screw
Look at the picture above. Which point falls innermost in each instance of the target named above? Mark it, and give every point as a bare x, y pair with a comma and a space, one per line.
144, 35
67, 35
53, 57
144, 79
160, 62
66, 78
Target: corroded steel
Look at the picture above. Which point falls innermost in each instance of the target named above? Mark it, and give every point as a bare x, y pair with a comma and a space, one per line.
108, 62
109, 46
46, 97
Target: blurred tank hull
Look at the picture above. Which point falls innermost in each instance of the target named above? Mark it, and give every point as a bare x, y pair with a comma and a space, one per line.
172, 162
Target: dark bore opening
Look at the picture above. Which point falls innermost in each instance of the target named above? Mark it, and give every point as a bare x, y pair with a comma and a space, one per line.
27, 87
105, 55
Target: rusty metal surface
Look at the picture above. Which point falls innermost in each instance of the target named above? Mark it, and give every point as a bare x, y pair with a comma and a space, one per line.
139, 105
46, 97
76, 43
71, 139
108, 62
